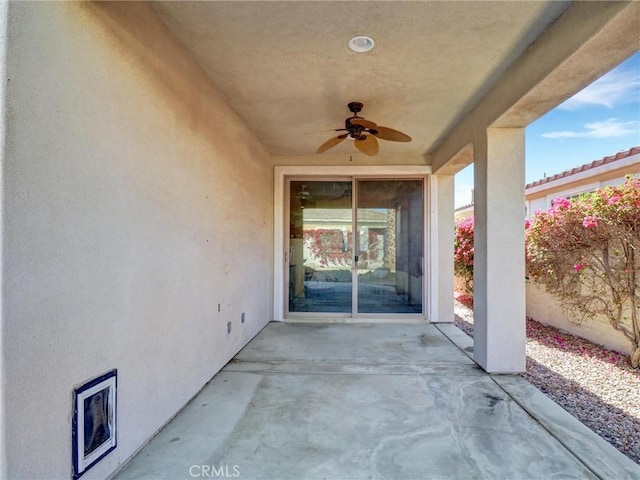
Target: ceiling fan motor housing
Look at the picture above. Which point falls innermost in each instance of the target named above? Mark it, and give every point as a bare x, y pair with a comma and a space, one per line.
355, 107
355, 131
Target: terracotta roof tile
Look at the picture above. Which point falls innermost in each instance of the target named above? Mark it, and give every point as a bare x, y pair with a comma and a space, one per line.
588, 166
468, 205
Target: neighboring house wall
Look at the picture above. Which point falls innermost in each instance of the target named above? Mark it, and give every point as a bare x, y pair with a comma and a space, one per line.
463, 212
607, 171
537, 205
586, 178
135, 201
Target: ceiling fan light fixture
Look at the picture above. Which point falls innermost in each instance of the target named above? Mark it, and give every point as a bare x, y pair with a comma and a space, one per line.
361, 43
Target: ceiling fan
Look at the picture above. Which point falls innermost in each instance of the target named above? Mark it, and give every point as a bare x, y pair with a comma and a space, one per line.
364, 133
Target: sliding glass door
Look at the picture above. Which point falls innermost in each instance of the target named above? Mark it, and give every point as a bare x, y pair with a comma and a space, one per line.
390, 225
356, 246
320, 247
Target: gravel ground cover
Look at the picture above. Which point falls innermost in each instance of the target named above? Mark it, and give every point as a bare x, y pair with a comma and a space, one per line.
596, 385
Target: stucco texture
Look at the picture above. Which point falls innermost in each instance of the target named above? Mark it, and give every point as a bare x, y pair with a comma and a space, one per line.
135, 201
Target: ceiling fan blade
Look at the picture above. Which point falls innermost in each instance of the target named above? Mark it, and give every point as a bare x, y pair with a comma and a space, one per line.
368, 145
332, 142
390, 134
362, 122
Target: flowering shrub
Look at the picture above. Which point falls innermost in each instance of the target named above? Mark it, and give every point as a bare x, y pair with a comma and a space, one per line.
331, 248
586, 252
463, 252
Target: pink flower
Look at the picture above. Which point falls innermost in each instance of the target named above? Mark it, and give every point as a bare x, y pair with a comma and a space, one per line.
590, 221
580, 266
615, 199
561, 202
527, 224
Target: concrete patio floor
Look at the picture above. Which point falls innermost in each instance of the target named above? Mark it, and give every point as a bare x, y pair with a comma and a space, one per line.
362, 401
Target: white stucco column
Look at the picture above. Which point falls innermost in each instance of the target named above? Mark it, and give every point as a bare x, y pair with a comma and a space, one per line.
499, 263
442, 213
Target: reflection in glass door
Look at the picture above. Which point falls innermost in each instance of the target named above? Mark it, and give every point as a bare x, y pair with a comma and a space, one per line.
387, 265
389, 258
320, 252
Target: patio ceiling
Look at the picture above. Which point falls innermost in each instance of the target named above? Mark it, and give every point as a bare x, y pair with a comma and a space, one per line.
286, 70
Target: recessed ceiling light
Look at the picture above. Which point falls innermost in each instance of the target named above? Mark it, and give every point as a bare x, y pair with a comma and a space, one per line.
361, 44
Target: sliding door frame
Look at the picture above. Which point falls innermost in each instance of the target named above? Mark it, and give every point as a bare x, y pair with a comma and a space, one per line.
282, 177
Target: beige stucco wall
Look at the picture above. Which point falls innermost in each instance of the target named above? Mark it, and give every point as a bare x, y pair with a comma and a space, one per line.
134, 202
544, 308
